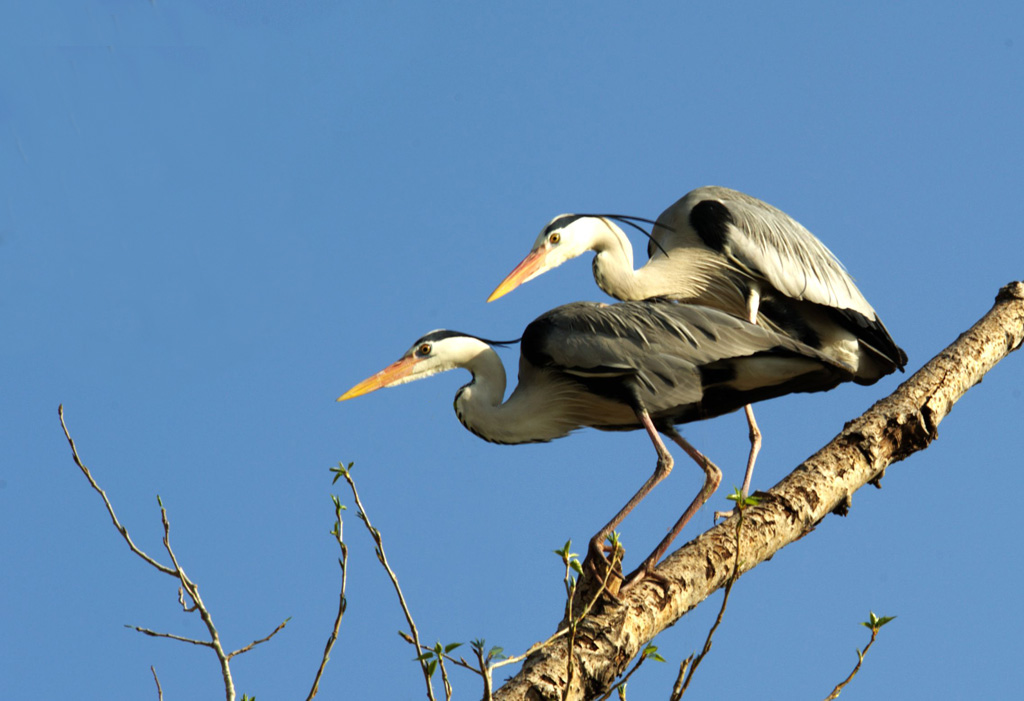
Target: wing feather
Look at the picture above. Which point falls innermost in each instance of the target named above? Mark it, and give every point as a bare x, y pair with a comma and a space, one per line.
768, 243
662, 346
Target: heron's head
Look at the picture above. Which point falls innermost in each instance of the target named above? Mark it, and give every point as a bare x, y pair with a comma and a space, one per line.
564, 238
433, 353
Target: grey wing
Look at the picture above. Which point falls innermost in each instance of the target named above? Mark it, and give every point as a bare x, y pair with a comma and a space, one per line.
768, 243
660, 345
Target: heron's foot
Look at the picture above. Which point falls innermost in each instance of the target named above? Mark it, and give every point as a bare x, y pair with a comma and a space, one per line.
597, 567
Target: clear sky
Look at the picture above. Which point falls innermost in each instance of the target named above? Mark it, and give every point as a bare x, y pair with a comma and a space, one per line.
217, 217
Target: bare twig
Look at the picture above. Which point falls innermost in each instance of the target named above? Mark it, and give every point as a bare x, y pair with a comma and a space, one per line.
570, 590
741, 504
677, 688
651, 651
574, 622
343, 471
187, 585
193, 591
254, 643
170, 636
159, 691
106, 502
875, 623
342, 602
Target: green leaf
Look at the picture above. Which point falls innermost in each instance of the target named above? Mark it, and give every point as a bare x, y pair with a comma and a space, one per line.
875, 622
651, 651
741, 501
431, 668
451, 646
576, 566
341, 471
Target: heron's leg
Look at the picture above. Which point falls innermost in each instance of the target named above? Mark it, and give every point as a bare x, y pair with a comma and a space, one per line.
661, 470
712, 478
753, 301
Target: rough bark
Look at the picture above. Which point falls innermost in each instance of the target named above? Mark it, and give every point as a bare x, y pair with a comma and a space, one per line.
894, 428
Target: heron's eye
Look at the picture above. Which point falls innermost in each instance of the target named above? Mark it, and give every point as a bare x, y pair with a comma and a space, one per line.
424, 349
554, 238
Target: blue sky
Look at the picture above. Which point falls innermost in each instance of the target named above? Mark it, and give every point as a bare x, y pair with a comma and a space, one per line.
216, 218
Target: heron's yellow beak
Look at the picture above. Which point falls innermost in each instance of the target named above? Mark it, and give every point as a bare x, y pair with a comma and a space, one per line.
531, 267
392, 374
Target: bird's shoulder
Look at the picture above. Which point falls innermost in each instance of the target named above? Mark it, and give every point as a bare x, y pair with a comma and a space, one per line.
763, 242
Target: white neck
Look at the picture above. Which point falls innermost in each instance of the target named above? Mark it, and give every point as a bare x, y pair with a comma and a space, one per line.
683, 274
613, 264
527, 417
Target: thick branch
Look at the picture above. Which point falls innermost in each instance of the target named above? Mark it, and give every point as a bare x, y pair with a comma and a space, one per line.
894, 428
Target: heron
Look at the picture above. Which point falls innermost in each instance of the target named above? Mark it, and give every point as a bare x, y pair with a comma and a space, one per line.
727, 250
632, 365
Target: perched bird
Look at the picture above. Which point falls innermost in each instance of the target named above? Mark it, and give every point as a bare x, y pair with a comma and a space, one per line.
724, 249
620, 367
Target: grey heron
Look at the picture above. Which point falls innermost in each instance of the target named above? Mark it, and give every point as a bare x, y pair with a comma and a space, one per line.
724, 249
625, 366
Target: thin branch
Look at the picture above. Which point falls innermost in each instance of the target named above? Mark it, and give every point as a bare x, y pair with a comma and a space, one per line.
444, 675
875, 624
740, 506
193, 591
616, 561
677, 688
170, 636
860, 660
342, 602
254, 643
187, 585
895, 428
485, 672
159, 691
110, 508
622, 682
379, 543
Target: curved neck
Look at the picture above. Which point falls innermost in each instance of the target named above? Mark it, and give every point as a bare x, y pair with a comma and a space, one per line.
685, 273
613, 264
528, 416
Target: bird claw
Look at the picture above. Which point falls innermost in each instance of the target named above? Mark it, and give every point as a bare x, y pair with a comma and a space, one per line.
597, 568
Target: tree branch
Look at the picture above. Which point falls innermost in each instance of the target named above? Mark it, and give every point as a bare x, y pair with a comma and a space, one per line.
894, 428
106, 502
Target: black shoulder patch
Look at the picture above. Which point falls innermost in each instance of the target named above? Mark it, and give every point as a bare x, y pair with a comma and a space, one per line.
534, 339
711, 220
